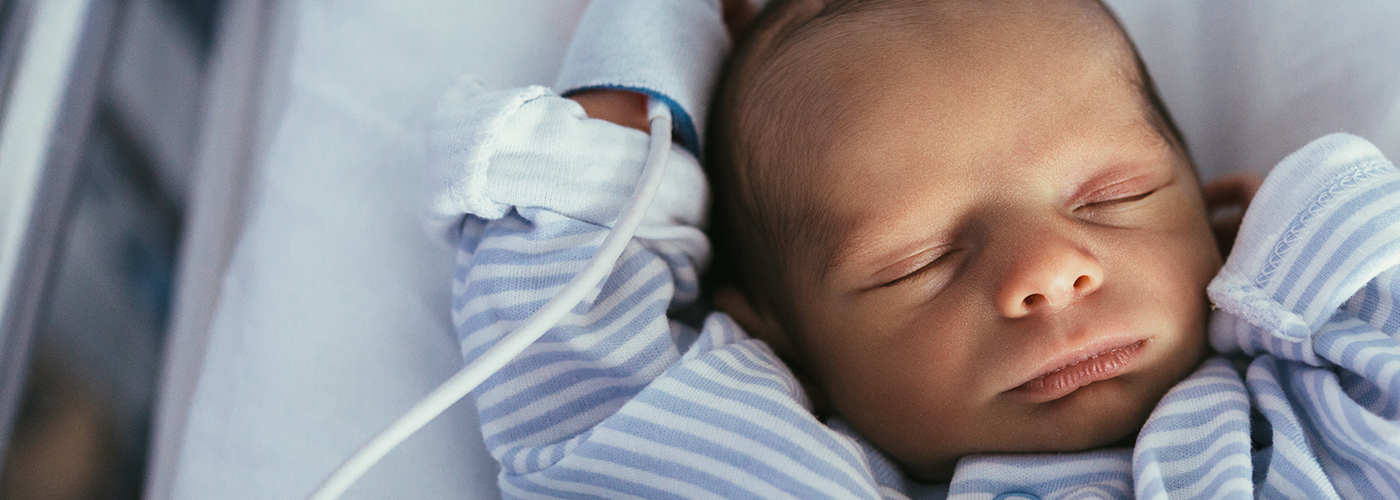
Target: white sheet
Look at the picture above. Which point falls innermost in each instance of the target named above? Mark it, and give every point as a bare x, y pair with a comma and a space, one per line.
334, 313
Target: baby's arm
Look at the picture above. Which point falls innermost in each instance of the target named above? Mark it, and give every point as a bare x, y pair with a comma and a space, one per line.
620, 398
1311, 290
549, 182
528, 183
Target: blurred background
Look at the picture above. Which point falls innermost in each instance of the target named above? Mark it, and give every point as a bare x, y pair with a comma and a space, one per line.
82, 421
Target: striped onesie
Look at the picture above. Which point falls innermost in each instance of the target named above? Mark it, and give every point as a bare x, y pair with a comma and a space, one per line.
637, 394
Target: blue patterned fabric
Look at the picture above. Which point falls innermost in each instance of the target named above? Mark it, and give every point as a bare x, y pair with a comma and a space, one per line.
625, 400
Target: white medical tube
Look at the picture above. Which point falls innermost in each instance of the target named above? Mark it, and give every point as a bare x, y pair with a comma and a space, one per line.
594, 272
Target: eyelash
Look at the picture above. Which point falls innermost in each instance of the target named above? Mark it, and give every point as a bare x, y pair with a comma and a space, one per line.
919, 272
1116, 201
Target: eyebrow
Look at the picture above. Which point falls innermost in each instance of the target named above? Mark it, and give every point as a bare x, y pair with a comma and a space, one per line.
839, 253
830, 243
843, 247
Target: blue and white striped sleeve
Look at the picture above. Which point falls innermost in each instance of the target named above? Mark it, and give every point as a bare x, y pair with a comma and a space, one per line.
620, 400
1310, 291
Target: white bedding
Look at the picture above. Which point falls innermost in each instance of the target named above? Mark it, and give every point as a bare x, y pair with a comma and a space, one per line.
333, 317
1250, 81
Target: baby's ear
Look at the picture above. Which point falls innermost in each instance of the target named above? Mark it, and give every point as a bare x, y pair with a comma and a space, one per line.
756, 319
1226, 199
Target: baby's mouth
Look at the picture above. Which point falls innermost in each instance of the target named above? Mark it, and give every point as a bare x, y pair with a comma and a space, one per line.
1064, 380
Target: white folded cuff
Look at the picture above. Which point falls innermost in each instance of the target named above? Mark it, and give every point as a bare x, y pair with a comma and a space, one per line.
530, 148
1321, 226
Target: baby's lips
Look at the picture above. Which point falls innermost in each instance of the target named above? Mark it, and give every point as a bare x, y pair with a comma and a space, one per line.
1065, 379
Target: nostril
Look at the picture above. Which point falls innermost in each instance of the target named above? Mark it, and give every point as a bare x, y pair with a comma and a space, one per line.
1031, 300
1082, 282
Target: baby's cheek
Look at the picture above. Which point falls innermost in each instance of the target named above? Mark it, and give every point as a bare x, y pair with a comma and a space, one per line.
1184, 264
915, 400
1193, 233
1177, 259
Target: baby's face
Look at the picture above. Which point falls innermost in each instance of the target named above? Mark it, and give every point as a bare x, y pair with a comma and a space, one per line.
1022, 259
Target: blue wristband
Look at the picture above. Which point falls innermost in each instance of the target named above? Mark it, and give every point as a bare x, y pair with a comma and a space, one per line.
671, 50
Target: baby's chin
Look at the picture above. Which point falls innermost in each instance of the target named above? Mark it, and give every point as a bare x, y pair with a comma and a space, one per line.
1099, 415
941, 469
1105, 414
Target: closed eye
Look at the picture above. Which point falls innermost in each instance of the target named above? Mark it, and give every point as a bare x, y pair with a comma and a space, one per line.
921, 271
1119, 201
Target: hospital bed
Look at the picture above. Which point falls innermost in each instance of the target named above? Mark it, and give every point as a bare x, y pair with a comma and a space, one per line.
311, 309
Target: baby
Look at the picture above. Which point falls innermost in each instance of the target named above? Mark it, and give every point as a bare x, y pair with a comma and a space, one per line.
969, 225
951, 237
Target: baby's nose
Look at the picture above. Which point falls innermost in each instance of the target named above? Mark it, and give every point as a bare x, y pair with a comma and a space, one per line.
1047, 277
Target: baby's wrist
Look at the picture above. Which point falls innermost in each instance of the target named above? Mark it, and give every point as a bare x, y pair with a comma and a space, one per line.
622, 107
669, 49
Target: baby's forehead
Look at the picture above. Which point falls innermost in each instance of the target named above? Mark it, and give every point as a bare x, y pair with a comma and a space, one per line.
821, 73
865, 25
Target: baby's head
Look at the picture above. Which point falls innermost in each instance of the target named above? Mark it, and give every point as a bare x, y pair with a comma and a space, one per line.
968, 225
